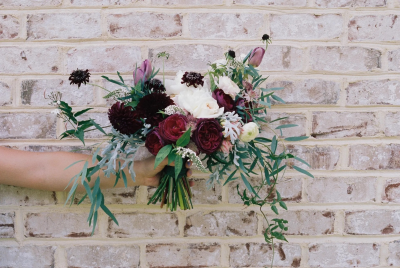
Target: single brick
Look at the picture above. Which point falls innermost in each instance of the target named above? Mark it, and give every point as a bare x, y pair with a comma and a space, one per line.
310, 91
144, 25
50, 26
260, 255
365, 93
18, 60
143, 225
32, 92
298, 119
29, 3
344, 124
7, 225
221, 223
366, 157
181, 255
350, 3
372, 222
26, 256
187, 2
306, 26
391, 191
325, 158
337, 255
225, 25
186, 57
9, 27
103, 256
102, 3
392, 124
27, 126
345, 59
290, 190
104, 59
18, 196
375, 28
308, 222
394, 60
57, 225
339, 190
121, 196
294, 3
5, 93
279, 58
203, 195
394, 257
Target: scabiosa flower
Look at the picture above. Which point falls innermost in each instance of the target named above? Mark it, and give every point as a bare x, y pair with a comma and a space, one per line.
124, 119
232, 54
78, 77
192, 79
150, 106
155, 85
265, 37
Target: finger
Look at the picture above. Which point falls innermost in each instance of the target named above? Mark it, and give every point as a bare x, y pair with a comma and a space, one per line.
191, 183
189, 173
188, 164
153, 181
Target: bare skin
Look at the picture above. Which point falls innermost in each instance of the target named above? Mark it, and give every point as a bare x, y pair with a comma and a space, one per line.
46, 171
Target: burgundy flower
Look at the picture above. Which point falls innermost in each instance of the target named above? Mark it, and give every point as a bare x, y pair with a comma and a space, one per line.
245, 104
172, 127
124, 119
193, 79
208, 135
154, 141
224, 100
150, 106
78, 77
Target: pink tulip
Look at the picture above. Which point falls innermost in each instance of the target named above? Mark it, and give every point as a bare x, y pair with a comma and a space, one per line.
256, 56
138, 76
146, 68
143, 73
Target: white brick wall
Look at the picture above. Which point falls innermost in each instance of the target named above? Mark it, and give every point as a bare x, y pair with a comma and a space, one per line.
339, 62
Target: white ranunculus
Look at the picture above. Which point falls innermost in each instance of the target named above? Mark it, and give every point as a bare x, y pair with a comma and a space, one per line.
175, 87
228, 86
250, 132
198, 102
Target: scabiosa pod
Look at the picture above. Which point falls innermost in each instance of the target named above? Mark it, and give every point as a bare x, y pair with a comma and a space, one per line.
79, 77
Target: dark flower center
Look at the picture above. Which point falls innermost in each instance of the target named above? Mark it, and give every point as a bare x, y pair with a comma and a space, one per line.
192, 79
232, 54
265, 37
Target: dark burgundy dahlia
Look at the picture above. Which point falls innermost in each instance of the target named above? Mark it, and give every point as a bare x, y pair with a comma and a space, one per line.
78, 77
192, 79
150, 105
208, 135
224, 100
124, 119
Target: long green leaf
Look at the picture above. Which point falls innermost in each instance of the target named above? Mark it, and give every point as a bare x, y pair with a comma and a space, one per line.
184, 139
82, 112
303, 171
162, 154
231, 178
300, 138
248, 185
178, 165
274, 144
286, 126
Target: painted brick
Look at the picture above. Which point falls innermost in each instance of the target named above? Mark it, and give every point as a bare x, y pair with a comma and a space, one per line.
350, 3
19, 196
279, 58
394, 60
50, 26
310, 91
18, 60
221, 223
42, 148
27, 126
104, 59
344, 124
5, 93
57, 225
392, 120
298, 119
372, 222
289, 188
366, 157
103, 256
120, 196
375, 28
25, 256
344, 59
106, 2
225, 26
306, 26
391, 191
319, 157
33, 91
343, 255
143, 225
308, 222
144, 25
187, 2
340, 190
186, 57
102, 120
394, 257
259, 255
9, 27
203, 195
295, 3
178, 255
30, 3
365, 93
7, 225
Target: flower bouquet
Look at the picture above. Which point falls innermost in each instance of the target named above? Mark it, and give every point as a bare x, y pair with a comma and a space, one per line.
215, 124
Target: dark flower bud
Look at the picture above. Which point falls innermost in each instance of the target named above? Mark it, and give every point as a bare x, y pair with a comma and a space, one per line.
265, 37
232, 54
78, 77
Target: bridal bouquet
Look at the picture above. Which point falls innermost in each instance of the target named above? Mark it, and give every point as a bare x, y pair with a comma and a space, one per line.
213, 120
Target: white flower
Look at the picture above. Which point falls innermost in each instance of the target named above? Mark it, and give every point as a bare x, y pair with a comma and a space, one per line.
228, 86
175, 87
250, 132
198, 102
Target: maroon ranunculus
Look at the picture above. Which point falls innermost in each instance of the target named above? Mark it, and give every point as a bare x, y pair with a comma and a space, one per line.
172, 127
224, 100
208, 135
154, 141
246, 105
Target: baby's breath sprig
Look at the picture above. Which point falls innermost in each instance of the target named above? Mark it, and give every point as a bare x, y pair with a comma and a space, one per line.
188, 153
173, 109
